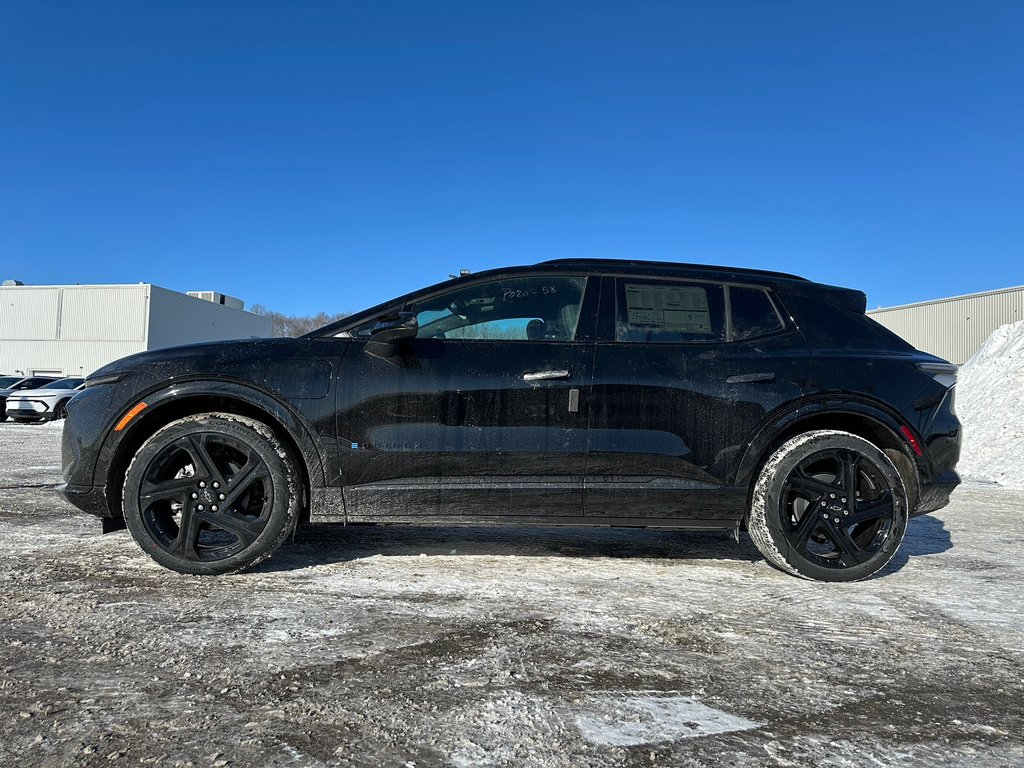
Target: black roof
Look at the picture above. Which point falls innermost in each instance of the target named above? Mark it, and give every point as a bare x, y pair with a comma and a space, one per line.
669, 266
851, 299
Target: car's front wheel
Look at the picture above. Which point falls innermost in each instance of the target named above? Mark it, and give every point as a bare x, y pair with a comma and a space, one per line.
212, 493
830, 506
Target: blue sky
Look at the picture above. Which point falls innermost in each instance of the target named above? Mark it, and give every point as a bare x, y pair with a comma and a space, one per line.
325, 156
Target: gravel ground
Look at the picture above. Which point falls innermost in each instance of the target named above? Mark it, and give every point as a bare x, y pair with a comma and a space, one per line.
373, 646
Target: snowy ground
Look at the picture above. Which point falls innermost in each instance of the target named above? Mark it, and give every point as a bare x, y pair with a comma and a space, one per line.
507, 647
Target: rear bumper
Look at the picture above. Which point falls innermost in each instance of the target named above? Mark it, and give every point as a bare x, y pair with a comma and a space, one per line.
935, 495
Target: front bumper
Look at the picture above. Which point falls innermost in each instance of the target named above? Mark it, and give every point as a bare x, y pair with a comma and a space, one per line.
28, 409
87, 498
93, 500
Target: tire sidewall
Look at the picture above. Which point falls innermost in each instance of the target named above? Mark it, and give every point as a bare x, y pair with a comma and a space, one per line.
785, 460
283, 493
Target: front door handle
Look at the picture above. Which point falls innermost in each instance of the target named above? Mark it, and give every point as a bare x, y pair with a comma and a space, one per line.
750, 378
545, 375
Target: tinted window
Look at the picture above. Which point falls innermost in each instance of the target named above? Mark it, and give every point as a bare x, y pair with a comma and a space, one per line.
516, 309
7, 381
753, 314
64, 384
36, 383
669, 312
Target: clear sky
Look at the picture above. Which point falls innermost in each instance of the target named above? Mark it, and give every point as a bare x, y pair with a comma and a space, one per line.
324, 156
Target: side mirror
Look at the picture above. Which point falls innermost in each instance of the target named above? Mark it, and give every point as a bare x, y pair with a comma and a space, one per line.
395, 327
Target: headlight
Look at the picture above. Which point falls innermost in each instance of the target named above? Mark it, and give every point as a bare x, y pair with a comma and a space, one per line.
109, 378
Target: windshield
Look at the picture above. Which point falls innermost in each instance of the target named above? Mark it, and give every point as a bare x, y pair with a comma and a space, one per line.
64, 384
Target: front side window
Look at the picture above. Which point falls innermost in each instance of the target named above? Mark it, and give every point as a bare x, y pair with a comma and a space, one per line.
669, 312
529, 308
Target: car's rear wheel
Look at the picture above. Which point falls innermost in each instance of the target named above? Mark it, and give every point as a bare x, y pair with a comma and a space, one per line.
830, 506
212, 493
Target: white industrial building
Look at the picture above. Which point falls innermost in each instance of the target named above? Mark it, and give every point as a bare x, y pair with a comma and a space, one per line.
72, 330
953, 328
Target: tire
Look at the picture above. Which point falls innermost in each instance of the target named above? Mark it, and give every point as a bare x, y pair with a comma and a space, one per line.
803, 520
211, 494
61, 411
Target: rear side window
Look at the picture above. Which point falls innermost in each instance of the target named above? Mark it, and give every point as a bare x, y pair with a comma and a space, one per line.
753, 314
669, 312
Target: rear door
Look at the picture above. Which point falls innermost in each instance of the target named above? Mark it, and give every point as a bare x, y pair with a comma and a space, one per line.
482, 414
684, 374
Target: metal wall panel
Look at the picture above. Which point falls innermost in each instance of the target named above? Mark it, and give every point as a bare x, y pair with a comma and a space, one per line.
71, 358
954, 328
76, 329
29, 312
175, 318
104, 312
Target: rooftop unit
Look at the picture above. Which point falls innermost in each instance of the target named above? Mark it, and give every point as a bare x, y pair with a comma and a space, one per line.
218, 298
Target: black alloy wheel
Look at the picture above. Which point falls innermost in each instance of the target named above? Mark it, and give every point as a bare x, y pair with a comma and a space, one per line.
61, 412
829, 505
213, 493
838, 508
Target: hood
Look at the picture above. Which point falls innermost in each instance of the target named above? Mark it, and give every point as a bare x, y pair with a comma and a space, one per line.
42, 392
211, 353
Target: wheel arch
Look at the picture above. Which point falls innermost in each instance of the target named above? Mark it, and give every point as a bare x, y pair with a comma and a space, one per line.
169, 404
864, 419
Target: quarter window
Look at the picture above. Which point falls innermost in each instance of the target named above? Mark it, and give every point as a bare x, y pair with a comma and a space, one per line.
753, 314
665, 312
516, 309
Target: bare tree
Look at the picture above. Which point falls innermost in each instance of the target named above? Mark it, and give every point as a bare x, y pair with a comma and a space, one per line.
294, 325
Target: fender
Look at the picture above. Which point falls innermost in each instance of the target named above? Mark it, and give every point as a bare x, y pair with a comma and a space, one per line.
831, 404
168, 393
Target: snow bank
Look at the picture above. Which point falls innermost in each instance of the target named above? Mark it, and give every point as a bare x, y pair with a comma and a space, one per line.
990, 403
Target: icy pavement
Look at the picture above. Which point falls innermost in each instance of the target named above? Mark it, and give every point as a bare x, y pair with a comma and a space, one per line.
507, 647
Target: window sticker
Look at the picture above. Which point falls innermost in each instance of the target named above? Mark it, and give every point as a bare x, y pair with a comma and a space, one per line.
670, 308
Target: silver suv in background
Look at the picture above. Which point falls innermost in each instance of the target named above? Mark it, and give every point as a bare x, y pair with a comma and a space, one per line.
48, 401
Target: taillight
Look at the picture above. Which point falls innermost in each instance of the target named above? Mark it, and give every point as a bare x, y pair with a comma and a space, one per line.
909, 435
944, 373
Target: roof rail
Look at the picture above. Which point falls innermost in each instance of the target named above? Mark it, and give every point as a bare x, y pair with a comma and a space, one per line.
671, 264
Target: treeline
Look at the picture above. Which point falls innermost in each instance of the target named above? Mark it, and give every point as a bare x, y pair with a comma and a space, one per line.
289, 325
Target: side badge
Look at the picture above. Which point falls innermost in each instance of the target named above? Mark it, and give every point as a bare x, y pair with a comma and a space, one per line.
355, 446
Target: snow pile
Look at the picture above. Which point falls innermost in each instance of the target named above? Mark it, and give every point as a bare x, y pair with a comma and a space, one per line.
990, 404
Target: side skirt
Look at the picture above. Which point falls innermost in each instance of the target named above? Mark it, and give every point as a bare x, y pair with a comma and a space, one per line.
328, 506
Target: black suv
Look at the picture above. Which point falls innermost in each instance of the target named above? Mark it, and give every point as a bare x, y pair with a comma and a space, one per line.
582, 392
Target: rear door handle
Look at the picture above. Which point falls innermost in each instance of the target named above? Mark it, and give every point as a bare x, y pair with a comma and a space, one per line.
545, 375
750, 378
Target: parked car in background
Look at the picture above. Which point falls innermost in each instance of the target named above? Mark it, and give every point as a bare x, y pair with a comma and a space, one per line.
571, 392
11, 384
44, 404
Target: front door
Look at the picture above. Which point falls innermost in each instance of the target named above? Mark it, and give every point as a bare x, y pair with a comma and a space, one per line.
482, 415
